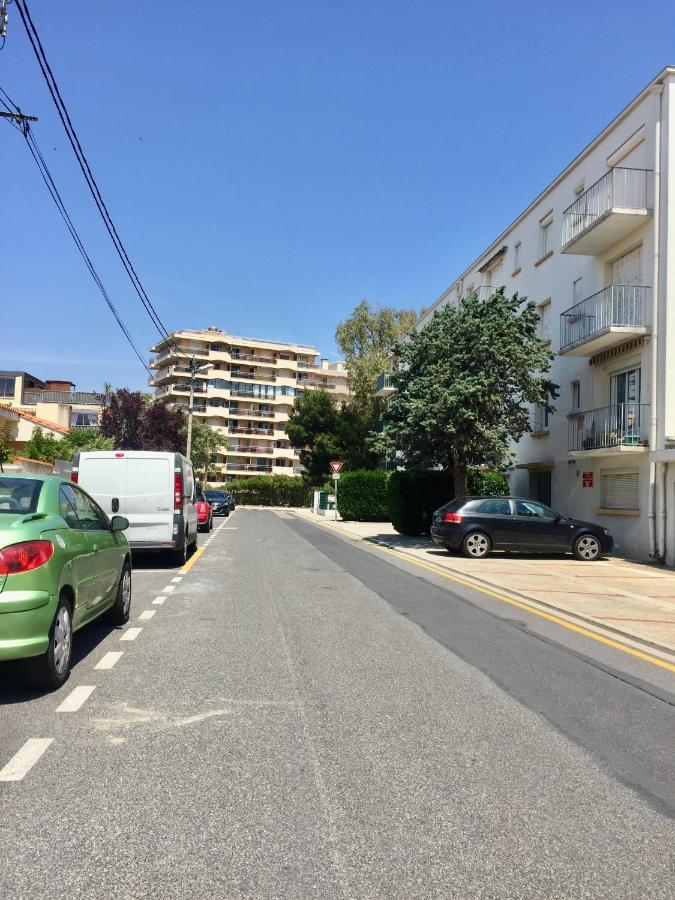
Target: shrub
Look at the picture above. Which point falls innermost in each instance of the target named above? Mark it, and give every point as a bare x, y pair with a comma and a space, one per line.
483, 482
271, 490
413, 496
362, 496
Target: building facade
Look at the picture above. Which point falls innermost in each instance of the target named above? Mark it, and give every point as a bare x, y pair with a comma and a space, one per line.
54, 402
596, 251
245, 389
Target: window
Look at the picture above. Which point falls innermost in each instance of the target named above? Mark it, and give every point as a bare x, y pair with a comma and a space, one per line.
533, 510
576, 395
577, 290
546, 236
516, 257
545, 321
19, 495
67, 507
621, 490
494, 508
89, 516
81, 419
7, 387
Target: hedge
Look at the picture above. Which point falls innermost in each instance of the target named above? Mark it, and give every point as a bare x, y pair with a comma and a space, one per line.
270, 490
362, 496
414, 496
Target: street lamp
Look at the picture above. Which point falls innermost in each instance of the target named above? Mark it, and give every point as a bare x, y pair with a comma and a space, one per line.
194, 369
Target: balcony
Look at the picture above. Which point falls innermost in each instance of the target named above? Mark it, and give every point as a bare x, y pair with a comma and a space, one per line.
267, 432
384, 386
307, 365
609, 210
250, 412
621, 428
606, 319
248, 467
314, 382
251, 376
258, 448
252, 357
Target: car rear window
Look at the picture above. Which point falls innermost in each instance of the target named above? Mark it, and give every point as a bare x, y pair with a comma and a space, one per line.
214, 495
19, 495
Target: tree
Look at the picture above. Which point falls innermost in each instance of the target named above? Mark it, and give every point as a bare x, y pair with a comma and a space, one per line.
6, 452
465, 384
312, 428
323, 430
366, 340
205, 442
135, 422
47, 448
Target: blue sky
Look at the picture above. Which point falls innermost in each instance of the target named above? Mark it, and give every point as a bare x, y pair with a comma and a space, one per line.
269, 164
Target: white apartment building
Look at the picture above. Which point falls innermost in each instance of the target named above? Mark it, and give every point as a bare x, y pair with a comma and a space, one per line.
245, 389
596, 251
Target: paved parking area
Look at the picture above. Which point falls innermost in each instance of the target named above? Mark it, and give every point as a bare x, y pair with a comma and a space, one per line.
634, 599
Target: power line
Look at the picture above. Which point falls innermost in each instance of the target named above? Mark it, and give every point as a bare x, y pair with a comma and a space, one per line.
62, 110
40, 162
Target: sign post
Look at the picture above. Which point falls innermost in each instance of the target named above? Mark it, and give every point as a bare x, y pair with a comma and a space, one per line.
335, 466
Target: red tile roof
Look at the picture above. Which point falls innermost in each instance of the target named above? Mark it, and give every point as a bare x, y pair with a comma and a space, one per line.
43, 423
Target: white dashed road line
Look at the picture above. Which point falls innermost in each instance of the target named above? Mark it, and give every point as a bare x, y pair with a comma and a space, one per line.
76, 698
109, 660
177, 579
159, 600
146, 614
131, 634
169, 589
23, 761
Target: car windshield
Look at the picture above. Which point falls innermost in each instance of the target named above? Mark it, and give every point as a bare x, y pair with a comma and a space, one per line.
19, 495
214, 495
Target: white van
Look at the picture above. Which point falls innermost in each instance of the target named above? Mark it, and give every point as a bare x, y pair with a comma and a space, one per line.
155, 491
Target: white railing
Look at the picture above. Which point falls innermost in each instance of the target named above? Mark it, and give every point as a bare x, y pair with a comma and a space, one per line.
620, 188
614, 306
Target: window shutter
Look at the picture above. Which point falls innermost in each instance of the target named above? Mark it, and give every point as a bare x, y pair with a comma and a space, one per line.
622, 490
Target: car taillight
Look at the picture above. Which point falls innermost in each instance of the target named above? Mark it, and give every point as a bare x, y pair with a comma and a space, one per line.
177, 490
455, 518
24, 557
74, 477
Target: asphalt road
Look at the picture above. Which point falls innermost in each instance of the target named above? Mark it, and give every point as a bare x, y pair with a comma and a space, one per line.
302, 716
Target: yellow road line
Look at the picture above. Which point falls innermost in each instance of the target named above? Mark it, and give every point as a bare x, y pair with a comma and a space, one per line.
193, 559
617, 645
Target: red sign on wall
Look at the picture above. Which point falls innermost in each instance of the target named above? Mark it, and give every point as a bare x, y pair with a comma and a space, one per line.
587, 479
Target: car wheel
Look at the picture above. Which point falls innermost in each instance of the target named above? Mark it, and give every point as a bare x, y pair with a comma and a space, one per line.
476, 545
179, 557
587, 548
118, 613
51, 670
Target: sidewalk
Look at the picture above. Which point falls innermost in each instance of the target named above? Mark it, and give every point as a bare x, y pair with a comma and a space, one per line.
632, 599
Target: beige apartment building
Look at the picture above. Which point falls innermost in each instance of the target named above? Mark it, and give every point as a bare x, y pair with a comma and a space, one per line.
245, 389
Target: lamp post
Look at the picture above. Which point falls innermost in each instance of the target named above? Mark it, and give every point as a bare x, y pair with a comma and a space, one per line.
194, 368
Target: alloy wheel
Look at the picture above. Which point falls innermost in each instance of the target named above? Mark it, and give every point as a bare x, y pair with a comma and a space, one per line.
126, 592
588, 547
62, 640
477, 545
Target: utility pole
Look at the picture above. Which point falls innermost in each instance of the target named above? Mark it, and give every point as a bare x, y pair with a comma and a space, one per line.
194, 368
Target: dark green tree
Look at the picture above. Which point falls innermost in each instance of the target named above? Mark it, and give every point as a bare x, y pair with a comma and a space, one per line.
465, 385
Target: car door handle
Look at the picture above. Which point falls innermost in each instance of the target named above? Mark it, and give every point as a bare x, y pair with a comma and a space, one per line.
115, 505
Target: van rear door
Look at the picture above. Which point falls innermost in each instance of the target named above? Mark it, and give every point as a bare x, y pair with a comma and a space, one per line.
105, 478
149, 494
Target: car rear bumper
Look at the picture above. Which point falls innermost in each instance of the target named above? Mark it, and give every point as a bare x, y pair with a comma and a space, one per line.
25, 620
447, 536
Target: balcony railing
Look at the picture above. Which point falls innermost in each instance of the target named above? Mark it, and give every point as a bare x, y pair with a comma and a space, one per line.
251, 412
253, 358
247, 467
263, 431
616, 306
620, 425
620, 189
307, 365
258, 448
184, 387
251, 376
313, 382
384, 385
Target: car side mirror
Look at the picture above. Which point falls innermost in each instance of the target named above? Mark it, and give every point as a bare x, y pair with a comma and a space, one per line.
119, 523
557, 517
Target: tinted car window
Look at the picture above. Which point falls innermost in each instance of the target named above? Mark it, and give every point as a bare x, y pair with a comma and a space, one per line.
19, 495
494, 507
67, 507
533, 510
214, 495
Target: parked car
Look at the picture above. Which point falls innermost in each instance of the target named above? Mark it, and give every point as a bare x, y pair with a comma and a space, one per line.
222, 502
62, 564
156, 492
204, 513
477, 525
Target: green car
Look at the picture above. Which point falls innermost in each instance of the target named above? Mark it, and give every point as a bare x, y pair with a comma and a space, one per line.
62, 564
